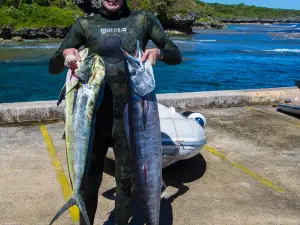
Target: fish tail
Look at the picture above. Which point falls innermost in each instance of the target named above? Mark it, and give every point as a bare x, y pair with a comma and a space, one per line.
83, 210
71, 201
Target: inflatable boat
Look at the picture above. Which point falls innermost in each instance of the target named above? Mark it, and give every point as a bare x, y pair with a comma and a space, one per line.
182, 135
291, 104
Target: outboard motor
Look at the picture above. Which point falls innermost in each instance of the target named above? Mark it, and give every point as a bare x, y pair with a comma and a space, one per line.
196, 116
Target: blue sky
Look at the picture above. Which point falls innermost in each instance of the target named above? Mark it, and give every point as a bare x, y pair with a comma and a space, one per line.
284, 4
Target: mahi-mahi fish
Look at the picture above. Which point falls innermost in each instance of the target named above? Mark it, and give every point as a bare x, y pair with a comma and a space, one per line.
83, 95
143, 131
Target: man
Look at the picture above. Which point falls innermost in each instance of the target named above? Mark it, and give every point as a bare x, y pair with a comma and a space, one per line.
111, 27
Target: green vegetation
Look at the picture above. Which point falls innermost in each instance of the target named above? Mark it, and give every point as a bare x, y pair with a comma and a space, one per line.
244, 11
37, 13
34, 16
166, 7
61, 13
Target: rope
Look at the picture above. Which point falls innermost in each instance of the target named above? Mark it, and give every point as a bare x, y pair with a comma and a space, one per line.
178, 143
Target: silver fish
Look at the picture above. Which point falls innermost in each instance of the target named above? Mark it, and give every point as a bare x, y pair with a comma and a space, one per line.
82, 99
143, 131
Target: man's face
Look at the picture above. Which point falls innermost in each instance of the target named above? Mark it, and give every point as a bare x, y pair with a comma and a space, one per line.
112, 5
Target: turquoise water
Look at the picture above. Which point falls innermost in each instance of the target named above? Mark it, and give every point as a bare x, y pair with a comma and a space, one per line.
239, 57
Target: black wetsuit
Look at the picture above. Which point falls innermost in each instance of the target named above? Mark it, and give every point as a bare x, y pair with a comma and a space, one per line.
104, 33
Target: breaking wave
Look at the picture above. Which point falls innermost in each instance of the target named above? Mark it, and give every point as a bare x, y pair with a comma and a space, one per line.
193, 41
207, 40
283, 50
288, 26
35, 47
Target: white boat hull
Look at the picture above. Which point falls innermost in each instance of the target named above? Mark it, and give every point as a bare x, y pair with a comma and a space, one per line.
293, 109
291, 103
182, 137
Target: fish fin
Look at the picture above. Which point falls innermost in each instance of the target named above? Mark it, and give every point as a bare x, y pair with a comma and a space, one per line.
74, 86
61, 95
139, 52
126, 121
71, 201
83, 210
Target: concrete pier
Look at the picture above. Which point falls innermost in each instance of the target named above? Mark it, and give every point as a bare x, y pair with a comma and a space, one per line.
248, 173
45, 111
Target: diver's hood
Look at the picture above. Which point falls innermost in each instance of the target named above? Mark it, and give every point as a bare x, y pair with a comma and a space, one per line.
95, 6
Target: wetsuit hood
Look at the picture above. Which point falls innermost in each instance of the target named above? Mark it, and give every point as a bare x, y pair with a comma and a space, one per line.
124, 11
96, 6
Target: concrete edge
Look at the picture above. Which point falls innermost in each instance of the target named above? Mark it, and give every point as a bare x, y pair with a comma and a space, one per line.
47, 111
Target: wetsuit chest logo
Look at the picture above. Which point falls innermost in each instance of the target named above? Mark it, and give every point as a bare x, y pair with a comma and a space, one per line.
115, 30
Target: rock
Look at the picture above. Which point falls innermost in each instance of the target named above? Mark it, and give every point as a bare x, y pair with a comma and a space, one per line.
208, 25
30, 33
17, 39
201, 25
179, 22
218, 25
6, 33
1, 39
174, 32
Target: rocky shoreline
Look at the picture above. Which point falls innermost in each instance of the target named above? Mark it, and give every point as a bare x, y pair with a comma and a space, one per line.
208, 25
179, 28
253, 20
179, 24
10, 34
31, 33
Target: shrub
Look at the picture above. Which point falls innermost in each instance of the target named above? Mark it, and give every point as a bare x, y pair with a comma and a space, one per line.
34, 16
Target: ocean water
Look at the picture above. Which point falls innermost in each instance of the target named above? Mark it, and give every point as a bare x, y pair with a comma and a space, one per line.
239, 57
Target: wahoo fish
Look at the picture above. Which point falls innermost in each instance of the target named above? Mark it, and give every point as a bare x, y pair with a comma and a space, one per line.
143, 131
83, 95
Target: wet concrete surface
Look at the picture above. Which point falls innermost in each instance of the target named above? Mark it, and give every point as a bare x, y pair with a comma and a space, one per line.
249, 175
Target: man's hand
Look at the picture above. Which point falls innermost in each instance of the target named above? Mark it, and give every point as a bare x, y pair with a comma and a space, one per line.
72, 52
151, 55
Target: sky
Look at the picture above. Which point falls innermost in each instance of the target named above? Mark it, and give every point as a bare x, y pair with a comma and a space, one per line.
283, 4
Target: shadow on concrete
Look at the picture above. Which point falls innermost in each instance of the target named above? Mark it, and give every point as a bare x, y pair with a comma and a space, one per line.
176, 175
289, 114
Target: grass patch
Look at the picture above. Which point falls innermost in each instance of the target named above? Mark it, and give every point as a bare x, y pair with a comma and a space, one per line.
245, 11
34, 16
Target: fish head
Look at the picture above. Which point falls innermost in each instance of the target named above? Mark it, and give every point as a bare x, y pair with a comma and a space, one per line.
140, 73
85, 66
